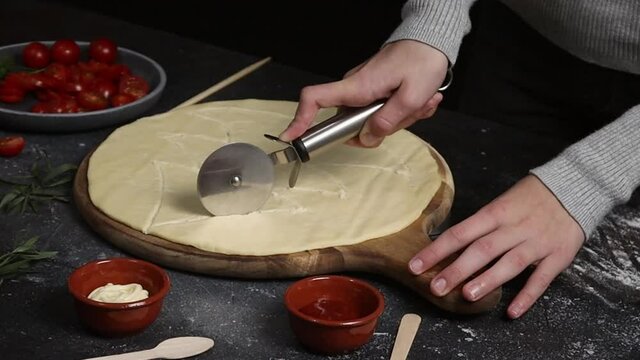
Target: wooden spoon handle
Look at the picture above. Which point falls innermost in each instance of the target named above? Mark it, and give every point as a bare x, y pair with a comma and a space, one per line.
406, 333
136, 355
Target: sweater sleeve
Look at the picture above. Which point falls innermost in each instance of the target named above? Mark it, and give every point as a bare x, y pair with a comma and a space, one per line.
438, 23
602, 170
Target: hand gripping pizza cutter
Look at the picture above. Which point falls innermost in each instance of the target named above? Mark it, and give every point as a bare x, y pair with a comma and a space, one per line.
238, 177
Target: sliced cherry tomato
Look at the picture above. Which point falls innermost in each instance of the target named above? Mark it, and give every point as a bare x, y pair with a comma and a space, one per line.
94, 66
105, 88
115, 72
65, 51
40, 107
88, 80
92, 100
10, 93
36, 55
103, 50
46, 95
58, 71
64, 105
23, 80
11, 145
59, 105
121, 99
45, 81
133, 85
74, 87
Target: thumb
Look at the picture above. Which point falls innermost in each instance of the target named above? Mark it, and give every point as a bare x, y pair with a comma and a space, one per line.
313, 98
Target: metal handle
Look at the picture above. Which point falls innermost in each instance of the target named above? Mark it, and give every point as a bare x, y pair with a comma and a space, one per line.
336, 129
341, 127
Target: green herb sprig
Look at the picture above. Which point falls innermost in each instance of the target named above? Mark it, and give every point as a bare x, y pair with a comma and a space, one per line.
8, 65
44, 184
20, 259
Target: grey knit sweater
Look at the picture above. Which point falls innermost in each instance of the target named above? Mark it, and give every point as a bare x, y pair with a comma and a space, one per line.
603, 169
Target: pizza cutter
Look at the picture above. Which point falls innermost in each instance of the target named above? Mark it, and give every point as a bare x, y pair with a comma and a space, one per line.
238, 178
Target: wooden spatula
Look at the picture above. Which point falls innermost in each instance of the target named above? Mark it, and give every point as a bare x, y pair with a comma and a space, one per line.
174, 348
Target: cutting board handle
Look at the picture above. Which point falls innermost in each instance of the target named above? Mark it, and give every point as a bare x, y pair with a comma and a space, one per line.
384, 257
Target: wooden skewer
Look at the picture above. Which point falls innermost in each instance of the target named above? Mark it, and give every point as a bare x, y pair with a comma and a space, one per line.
231, 79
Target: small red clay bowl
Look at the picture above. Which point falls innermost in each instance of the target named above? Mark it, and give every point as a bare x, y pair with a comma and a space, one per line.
332, 314
118, 319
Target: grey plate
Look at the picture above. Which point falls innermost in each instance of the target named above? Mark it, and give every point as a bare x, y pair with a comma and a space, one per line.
18, 117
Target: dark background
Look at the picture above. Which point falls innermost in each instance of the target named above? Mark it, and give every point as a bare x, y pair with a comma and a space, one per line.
326, 37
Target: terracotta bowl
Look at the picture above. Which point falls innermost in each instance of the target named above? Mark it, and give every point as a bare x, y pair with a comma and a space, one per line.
118, 319
333, 314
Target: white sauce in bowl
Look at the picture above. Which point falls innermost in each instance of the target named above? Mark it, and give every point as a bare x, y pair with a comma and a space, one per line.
111, 293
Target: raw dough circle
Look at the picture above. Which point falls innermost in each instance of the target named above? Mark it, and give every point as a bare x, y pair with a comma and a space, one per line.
144, 175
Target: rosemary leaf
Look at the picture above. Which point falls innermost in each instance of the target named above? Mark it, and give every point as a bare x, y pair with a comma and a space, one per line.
56, 172
14, 182
61, 181
20, 259
26, 246
7, 198
44, 185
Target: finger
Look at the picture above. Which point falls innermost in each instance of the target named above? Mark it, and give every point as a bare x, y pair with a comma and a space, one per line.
477, 255
404, 102
357, 143
508, 267
313, 98
354, 70
452, 240
425, 112
538, 282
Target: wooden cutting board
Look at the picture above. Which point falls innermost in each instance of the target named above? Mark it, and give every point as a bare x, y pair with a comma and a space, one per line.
386, 255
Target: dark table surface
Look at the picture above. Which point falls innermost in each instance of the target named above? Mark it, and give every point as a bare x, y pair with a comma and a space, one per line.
591, 311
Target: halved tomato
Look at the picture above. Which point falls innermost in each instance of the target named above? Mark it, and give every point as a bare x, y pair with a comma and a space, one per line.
11, 145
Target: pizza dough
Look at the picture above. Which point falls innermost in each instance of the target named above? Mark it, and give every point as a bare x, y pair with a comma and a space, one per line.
144, 175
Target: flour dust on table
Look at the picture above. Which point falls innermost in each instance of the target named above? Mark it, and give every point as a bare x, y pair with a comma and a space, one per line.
608, 265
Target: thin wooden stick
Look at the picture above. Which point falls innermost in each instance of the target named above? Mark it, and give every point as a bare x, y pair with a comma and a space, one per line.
231, 79
406, 333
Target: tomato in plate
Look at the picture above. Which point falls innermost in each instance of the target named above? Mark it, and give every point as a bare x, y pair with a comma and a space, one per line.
114, 72
105, 88
92, 100
133, 85
45, 95
11, 145
36, 55
11, 94
121, 99
22, 80
58, 71
57, 105
103, 50
94, 66
64, 105
40, 108
65, 51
